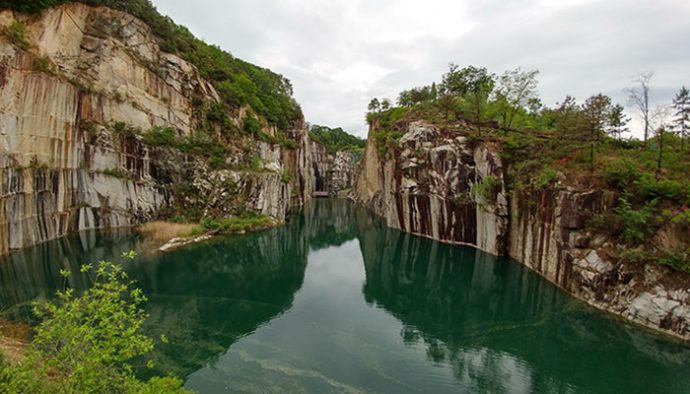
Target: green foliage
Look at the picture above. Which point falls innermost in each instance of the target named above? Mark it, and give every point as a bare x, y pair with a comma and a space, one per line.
621, 173
125, 130
16, 34
648, 187
161, 136
85, 344
286, 176
43, 64
237, 82
251, 125
487, 188
636, 224
679, 260
335, 139
545, 177
239, 224
116, 172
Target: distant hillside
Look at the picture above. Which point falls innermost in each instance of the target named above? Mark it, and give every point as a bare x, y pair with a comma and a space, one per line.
335, 139
238, 83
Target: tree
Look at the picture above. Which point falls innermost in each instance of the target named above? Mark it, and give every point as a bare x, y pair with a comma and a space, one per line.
84, 343
517, 88
639, 97
374, 105
681, 104
566, 116
617, 122
659, 121
385, 104
597, 112
434, 92
405, 98
474, 85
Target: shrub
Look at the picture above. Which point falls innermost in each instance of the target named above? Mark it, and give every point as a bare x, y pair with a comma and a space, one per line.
487, 188
648, 188
84, 344
16, 34
621, 173
636, 224
545, 177
161, 136
251, 125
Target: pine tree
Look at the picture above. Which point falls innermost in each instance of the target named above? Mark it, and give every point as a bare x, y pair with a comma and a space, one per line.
681, 104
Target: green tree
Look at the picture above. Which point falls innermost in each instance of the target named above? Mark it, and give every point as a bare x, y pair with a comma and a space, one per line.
85, 344
617, 122
385, 104
567, 115
681, 104
517, 88
596, 111
374, 105
474, 85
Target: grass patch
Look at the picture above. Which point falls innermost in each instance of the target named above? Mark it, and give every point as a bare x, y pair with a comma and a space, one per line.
165, 231
236, 225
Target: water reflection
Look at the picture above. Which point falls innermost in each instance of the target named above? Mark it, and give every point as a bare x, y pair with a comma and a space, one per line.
503, 329
336, 301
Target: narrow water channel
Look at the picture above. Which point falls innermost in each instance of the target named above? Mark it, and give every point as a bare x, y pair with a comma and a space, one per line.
336, 302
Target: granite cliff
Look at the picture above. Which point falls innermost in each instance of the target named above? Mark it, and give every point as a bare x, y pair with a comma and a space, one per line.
99, 128
446, 185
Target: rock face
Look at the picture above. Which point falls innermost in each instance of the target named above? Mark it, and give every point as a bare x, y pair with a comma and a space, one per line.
441, 185
333, 174
438, 186
64, 167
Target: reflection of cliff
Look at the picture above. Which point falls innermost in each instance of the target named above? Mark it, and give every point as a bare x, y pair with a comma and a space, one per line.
206, 297
329, 222
491, 320
202, 298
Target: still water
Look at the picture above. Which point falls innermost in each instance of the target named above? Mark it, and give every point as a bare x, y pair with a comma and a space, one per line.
336, 302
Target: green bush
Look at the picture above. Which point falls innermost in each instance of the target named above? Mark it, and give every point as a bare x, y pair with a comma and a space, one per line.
251, 125
487, 188
84, 344
161, 136
621, 173
636, 224
648, 187
16, 34
239, 224
677, 259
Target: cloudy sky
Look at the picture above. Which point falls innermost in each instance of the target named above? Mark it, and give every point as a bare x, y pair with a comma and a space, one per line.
341, 53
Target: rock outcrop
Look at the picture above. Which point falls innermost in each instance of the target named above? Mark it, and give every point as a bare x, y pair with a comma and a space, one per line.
68, 157
442, 185
333, 174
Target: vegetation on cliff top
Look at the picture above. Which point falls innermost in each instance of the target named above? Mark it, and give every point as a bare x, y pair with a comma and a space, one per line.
335, 139
86, 343
580, 144
237, 82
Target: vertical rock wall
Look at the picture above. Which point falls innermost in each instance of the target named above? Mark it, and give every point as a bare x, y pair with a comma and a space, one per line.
443, 186
64, 167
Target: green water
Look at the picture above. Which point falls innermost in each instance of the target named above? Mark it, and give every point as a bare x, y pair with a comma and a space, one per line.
336, 302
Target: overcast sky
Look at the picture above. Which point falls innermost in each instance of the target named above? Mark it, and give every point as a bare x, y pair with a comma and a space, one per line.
341, 53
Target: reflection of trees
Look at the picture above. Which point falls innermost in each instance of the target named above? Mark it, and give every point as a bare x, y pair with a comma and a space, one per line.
34, 272
203, 298
491, 320
330, 222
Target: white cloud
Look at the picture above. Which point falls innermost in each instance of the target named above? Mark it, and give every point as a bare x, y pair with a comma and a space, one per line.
341, 53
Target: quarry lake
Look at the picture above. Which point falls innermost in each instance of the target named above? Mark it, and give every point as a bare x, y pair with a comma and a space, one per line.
336, 302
